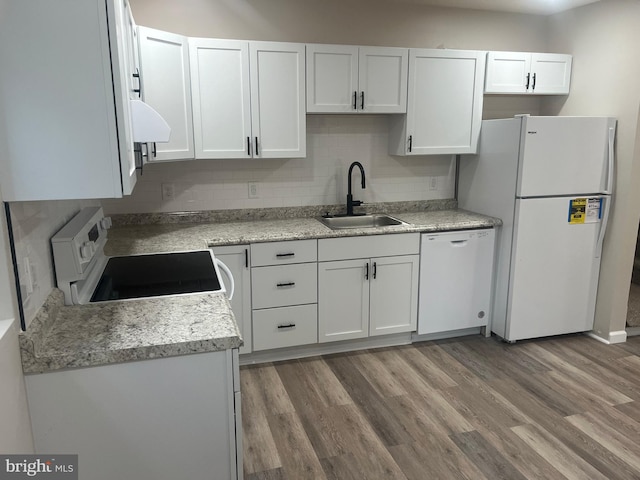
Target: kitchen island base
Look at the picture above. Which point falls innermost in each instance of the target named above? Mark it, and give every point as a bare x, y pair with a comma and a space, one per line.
163, 418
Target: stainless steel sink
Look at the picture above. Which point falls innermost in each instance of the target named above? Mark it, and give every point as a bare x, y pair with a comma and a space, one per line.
360, 221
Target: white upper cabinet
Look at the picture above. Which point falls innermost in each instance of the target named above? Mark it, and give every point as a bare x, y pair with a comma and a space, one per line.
165, 84
444, 111
528, 73
221, 98
350, 79
248, 99
64, 100
279, 123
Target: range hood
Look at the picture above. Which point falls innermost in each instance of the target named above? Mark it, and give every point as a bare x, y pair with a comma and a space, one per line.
148, 125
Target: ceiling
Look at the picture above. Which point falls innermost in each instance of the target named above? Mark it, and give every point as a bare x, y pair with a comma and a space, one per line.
538, 7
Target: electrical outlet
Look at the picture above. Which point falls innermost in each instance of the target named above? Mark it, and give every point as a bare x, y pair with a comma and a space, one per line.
433, 183
254, 191
168, 191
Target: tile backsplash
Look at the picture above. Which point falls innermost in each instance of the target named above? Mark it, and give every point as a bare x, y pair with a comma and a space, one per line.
34, 223
333, 142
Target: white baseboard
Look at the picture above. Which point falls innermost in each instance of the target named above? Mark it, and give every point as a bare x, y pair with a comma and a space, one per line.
619, 336
633, 331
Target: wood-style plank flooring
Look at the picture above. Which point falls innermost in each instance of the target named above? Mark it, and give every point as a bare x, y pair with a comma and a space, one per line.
469, 408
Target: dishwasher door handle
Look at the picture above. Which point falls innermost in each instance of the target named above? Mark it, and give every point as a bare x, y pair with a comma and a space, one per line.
459, 243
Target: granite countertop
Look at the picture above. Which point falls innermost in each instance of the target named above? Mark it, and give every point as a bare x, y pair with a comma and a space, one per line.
132, 239
112, 332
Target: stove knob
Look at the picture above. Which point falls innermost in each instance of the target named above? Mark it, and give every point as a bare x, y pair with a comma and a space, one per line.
86, 250
106, 223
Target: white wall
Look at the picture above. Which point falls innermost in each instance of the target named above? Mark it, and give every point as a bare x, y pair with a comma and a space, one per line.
359, 22
333, 141
15, 426
604, 38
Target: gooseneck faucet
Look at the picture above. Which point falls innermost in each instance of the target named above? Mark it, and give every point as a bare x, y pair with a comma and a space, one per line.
350, 201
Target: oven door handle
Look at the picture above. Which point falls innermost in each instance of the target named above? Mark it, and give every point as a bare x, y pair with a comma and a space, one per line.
229, 275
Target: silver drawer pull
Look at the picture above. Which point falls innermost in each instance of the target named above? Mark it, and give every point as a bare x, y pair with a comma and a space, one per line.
288, 284
282, 255
291, 325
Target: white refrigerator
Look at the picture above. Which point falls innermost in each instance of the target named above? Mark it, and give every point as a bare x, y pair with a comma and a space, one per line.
550, 180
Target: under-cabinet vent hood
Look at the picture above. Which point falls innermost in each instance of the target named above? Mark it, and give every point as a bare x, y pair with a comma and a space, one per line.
147, 124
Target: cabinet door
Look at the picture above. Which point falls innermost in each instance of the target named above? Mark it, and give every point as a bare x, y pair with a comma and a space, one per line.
508, 72
122, 41
444, 110
394, 294
166, 86
221, 98
278, 100
343, 300
237, 259
383, 80
332, 78
551, 73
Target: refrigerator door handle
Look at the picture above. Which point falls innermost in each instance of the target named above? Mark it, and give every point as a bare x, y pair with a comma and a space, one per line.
603, 225
610, 162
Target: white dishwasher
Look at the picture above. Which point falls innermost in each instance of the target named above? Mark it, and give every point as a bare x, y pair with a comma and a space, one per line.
456, 274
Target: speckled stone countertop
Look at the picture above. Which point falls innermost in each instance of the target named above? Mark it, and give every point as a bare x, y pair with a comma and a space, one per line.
112, 332
86, 335
135, 239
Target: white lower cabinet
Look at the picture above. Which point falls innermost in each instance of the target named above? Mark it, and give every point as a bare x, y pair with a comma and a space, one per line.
284, 279
285, 326
394, 295
374, 295
343, 294
165, 418
236, 257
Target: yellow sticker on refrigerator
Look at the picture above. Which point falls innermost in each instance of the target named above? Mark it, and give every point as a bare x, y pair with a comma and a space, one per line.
585, 210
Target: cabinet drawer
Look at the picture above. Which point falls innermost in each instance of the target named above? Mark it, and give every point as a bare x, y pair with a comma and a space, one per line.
346, 248
283, 253
284, 285
285, 327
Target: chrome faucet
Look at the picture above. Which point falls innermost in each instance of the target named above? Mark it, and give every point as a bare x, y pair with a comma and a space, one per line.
350, 201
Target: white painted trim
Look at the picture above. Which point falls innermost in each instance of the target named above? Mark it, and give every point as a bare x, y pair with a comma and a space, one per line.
619, 336
325, 348
633, 331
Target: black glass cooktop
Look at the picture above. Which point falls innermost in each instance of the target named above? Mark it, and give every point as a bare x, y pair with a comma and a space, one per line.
140, 276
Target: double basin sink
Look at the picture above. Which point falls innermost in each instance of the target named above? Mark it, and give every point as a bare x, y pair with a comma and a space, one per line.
360, 221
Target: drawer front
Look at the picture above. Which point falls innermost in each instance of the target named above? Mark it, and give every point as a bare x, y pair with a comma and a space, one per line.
283, 253
347, 248
285, 327
284, 285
